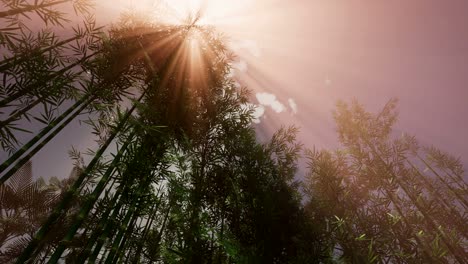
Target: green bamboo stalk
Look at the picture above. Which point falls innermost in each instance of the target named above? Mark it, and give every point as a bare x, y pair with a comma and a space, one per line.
25, 91
18, 114
94, 217
128, 218
128, 232
107, 228
147, 228
69, 195
420, 208
435, 193
163, 227
88, 205
399, 210
138, 233
102, 225
98, 238
30, 8
106, 234
80, 105
444, 181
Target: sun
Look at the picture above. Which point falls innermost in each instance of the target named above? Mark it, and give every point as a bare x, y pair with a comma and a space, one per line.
187, 7
210, 12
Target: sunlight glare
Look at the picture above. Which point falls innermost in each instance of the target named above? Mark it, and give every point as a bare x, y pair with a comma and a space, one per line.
212, 12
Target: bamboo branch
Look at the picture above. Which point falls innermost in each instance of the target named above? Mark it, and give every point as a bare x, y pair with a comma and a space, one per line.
30, 8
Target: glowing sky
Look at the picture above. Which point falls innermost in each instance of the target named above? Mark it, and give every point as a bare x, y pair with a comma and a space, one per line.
301, 56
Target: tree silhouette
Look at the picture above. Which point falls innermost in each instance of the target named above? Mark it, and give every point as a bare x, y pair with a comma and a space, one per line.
25, 203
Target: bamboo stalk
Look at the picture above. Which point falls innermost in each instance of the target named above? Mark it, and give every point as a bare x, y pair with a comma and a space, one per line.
87, 247
448, 205
420, 208
18, 114
128, 218
95, 218
128, 231
69, 195
100, 238
80, 105
86, 208
12, 61
147, 228
26, 90
465, 203
102, 224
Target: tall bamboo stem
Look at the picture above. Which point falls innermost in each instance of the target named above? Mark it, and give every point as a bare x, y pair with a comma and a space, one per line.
86, 208
26, 90
54, 126
70, 194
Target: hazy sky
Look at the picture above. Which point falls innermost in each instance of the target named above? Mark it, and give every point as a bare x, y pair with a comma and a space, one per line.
317, 52
301, 56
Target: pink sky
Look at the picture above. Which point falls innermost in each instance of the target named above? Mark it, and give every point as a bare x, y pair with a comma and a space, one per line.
311, 53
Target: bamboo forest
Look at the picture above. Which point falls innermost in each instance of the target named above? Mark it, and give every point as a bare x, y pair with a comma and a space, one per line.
178, 170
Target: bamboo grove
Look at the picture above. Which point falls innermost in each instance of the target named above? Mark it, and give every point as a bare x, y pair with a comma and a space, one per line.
179, 175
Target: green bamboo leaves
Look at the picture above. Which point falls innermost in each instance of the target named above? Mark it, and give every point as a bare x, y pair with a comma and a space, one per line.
386, 189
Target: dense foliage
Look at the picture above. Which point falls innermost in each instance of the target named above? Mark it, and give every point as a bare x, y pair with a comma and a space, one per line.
188, 181
384, 198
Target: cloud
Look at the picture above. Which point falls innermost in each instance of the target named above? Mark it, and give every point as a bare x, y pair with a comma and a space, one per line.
258, 112
293, 105
250, 45
268, 99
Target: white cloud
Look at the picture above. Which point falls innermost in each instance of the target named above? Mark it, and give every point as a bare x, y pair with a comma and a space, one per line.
250, 45
258, 111
268, 99
293, 105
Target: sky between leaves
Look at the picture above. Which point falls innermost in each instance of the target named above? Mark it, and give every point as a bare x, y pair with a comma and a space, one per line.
301, 56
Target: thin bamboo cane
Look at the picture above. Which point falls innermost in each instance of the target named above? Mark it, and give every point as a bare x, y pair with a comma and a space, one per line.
147, 228
106, 233
79, 106
99, 238
15, 60
429, 220
102, 224
94, 217
69, 195
26, 90
128, 232
461, 199
24, 111
108, 228
399, 210
86, 208
128, 218
454, 213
